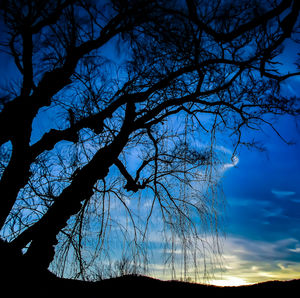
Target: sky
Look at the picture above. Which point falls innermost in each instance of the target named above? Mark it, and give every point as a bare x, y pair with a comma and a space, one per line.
262, 216
263, 208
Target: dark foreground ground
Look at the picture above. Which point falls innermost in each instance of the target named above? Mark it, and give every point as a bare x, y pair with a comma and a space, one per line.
139, 286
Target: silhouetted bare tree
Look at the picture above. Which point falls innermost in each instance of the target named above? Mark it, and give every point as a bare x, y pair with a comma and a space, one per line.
124, 88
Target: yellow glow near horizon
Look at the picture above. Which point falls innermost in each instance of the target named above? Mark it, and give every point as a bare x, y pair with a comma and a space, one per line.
229, 282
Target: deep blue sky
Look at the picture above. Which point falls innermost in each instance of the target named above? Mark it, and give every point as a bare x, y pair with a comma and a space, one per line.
263, 207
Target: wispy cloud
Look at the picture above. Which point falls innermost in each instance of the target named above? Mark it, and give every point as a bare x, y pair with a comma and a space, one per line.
235, 160
282, 193
247, 261
273, 212
296, 249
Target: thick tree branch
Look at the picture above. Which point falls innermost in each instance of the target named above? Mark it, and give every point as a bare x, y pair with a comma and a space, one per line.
239, 31
43, 233
27, 62
132, 184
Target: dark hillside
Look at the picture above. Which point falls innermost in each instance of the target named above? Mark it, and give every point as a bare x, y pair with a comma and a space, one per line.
136, 286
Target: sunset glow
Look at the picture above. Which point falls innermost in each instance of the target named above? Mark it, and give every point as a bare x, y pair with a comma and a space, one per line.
229, 282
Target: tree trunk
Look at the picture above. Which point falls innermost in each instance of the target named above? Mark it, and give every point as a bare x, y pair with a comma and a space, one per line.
43, 234
17, 172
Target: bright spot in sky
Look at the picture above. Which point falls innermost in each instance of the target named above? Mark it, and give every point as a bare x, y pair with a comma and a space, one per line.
229, 282
234, 161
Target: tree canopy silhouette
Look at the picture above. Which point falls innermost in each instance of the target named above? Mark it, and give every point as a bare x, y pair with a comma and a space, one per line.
105, 103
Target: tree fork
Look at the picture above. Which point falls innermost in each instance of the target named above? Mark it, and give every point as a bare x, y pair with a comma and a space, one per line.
43, 233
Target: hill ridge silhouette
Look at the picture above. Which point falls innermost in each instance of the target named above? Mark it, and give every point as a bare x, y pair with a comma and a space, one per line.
137, 285
48, 285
